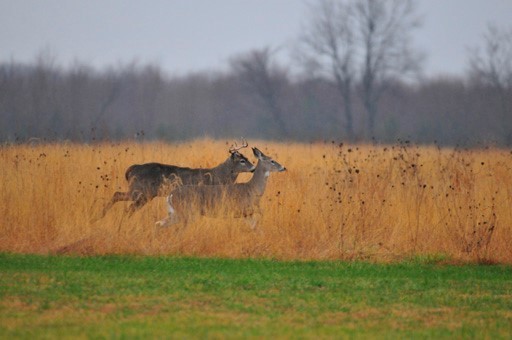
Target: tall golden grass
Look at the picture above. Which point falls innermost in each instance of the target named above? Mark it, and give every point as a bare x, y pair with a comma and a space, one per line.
335, 202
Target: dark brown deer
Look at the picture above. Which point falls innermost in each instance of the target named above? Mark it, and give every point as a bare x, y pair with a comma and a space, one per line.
149, 180
236, 200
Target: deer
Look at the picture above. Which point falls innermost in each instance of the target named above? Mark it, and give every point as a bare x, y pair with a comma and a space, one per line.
149, 180
236, 200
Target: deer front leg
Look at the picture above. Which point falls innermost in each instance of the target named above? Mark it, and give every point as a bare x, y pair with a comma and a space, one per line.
139, 200
118, 196
171, 218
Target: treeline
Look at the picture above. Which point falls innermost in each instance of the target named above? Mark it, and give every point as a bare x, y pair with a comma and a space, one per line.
357, 78
83, 104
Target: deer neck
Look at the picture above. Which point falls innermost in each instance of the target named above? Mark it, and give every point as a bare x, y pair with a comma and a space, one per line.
225, 172
258, 181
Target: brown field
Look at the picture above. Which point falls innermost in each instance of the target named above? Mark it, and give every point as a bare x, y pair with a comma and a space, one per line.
379, 203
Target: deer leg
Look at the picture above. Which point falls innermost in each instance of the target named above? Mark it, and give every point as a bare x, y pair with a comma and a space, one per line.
139, 200
118, 196
167, 222
253, 218
252, 221
171, 218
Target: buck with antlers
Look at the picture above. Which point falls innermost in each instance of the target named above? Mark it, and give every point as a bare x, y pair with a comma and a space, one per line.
237, 200
150, 180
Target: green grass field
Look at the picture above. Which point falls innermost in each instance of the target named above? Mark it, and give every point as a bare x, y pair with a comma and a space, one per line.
125, 296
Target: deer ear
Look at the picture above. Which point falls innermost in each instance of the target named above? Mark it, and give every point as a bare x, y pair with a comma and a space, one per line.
257, 153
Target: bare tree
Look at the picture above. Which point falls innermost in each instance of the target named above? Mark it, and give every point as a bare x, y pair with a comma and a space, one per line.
328, 45
493, 68
262, 77
384, 31
367, 41
112, 88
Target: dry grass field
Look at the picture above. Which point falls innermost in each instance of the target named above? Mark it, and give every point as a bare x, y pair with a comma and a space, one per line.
379, 203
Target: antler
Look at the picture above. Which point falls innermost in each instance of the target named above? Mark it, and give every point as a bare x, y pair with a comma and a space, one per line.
235, 148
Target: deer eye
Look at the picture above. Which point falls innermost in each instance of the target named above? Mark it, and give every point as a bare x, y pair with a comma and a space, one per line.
273, 162
242, 161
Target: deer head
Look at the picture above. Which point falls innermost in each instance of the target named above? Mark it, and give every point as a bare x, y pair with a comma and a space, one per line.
242, 164
267, 163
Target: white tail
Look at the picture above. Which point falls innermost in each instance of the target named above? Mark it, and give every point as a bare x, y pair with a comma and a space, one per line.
237, 200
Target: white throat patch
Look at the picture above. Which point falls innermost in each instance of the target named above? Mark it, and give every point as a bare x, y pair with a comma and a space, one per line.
267, 173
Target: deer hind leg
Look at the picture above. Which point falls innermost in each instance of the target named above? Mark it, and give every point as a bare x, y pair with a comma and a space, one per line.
252, 221
252, 218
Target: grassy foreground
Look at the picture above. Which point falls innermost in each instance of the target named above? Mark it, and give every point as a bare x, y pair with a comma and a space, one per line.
126, 296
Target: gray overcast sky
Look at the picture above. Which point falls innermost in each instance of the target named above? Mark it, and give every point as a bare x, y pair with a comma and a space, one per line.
194, 35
